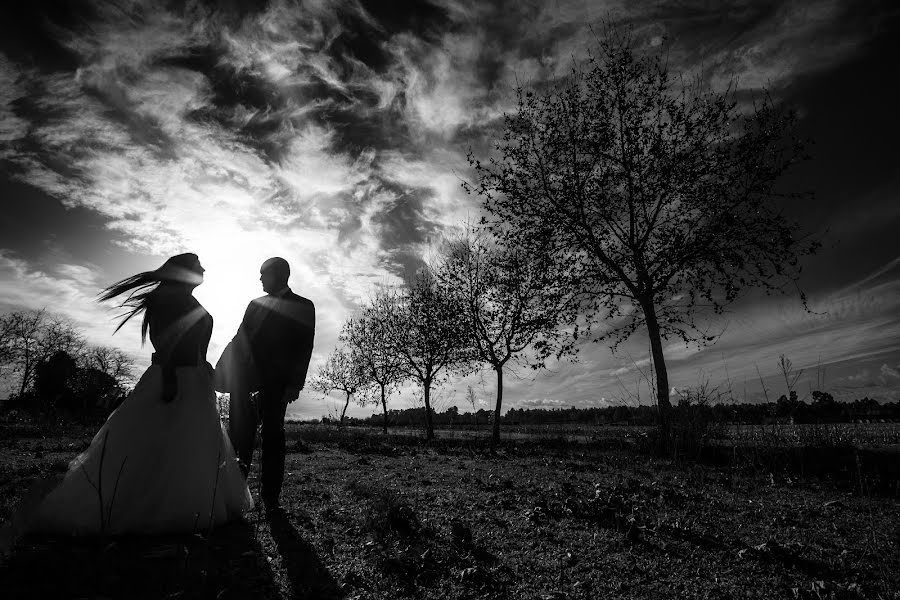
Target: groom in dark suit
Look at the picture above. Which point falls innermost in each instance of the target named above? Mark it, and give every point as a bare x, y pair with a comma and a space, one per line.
269, 354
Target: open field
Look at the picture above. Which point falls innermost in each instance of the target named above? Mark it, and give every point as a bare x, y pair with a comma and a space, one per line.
870, 435
373, 516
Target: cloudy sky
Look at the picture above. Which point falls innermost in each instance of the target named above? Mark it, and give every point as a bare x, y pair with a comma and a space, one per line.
334, 133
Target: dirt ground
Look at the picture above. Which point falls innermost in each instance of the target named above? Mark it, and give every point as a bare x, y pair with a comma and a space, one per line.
369, 516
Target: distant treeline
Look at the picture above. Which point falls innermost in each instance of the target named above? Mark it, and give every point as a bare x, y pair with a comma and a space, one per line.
822, 409
47, 364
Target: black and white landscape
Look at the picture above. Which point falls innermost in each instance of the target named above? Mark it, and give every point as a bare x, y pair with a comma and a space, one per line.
606, 292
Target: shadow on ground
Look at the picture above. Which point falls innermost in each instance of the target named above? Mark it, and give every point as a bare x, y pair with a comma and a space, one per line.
307, 576
227, 564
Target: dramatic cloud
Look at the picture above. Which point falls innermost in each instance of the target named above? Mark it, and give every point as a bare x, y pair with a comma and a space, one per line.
334, 133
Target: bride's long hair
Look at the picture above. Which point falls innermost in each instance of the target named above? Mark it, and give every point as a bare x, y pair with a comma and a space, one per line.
143, 288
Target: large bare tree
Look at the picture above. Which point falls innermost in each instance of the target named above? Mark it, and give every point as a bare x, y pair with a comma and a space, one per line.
512, 303
660, 196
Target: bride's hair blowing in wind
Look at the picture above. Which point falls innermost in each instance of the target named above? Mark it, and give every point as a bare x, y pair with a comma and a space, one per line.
182, 270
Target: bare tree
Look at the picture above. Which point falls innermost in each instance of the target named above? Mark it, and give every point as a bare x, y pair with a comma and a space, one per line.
658, 195
426, 335
512, 302
31, 337
367, 335
6, 339
58, 334
111, 361
23, 344
473, 400
341, 372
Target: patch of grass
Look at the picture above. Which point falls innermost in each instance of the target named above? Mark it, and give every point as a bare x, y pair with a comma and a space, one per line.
300, 447
386, 512
388, 517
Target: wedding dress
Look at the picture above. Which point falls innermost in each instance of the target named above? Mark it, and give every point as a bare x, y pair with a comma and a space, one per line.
162, 462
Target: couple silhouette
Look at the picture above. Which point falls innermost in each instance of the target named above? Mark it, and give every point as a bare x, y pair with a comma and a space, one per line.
162, 462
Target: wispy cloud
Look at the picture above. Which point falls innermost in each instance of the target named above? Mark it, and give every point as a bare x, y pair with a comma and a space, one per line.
12, 127
334, 133
67, 290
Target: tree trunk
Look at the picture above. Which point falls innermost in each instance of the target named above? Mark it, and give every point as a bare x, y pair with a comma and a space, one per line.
384, 408
664, 407
495, 433
344, 412
26, 374
429, 426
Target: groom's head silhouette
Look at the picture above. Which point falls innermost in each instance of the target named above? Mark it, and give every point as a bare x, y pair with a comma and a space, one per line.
274, 274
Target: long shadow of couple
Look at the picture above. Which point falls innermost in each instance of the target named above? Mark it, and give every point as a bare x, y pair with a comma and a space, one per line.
307, 576
230, 563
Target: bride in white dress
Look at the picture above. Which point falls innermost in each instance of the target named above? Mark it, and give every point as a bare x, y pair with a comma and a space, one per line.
162, 462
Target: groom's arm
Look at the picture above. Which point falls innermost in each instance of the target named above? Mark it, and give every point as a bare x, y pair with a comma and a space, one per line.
237, 358
304, 318
241, 340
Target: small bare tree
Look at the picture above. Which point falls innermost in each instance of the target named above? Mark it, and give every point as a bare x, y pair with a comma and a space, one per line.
786, 366
425, 333
511, 301
472, 399
341, 372
367, 336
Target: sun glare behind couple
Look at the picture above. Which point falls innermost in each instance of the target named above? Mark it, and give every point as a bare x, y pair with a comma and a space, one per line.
232, 279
